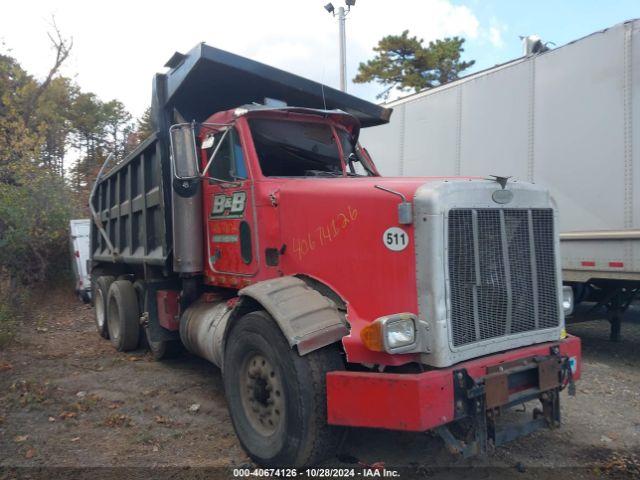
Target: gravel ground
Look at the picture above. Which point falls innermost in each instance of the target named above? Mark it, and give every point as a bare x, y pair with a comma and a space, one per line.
70, 406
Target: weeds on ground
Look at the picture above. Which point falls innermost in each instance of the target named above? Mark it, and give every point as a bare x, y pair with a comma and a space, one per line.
8, 324
117, 420
29, 394
12, 304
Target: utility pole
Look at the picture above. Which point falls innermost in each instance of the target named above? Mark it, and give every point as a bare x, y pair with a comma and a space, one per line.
343, 48
342, 15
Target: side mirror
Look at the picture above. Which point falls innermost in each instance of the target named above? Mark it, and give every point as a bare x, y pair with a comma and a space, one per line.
184, 153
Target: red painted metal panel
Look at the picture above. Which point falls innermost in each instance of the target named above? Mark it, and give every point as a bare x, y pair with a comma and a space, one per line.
168, 302
416, 402
392, 400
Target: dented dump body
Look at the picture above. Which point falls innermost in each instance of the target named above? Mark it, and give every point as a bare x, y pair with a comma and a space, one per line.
261, 237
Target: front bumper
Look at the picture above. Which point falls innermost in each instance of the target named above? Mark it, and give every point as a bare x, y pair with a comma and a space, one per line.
424, 401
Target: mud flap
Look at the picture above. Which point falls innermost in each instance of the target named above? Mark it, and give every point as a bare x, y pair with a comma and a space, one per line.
150, 316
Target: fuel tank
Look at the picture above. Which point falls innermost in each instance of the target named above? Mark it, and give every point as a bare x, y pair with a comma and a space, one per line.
202, 327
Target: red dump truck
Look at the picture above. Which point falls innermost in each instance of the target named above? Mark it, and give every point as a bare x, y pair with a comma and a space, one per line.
254, 230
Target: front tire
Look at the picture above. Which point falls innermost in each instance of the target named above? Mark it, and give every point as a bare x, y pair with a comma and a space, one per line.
277, 398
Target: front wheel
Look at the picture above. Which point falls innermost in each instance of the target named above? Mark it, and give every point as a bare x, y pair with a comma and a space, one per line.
277, 398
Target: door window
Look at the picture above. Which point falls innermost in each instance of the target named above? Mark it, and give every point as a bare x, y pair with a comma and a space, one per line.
228, 164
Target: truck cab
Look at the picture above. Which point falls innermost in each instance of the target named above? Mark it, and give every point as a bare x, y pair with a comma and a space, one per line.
262, 238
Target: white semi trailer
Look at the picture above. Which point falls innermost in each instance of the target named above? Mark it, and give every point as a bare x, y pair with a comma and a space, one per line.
568, 118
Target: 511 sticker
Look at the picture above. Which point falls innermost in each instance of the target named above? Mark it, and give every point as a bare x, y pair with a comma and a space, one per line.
395, 239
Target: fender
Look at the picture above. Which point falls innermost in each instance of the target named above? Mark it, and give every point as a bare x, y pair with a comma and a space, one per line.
308, 319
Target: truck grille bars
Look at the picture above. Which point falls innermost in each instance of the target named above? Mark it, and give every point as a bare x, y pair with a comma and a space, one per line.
502, 273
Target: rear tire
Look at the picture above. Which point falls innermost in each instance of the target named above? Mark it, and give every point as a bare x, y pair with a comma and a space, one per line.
100, 297
123, 317
163, 349
277, 398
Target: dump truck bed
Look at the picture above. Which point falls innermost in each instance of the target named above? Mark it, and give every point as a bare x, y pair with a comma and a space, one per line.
131, 204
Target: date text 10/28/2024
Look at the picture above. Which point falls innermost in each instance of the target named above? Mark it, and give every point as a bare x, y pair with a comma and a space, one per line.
365, 472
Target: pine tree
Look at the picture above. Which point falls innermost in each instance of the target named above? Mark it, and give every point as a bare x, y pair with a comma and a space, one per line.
403, 62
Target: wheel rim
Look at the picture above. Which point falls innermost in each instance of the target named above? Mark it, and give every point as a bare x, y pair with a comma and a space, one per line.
99, 301
113, 319
262, 394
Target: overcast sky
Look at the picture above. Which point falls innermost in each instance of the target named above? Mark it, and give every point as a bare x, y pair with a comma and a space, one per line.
119, 45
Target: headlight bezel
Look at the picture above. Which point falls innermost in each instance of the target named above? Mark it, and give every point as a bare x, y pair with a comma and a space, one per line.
393, 320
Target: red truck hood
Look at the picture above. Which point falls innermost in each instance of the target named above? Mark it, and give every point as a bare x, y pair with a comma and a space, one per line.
333, 230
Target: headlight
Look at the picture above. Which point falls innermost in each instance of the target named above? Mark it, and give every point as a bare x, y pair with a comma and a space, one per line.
391, 333
400, 333
567, 300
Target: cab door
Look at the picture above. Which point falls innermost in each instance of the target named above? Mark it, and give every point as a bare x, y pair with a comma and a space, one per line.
228, 204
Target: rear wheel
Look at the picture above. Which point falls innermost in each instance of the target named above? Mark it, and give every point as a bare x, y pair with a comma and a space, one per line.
123, 316
163, 349
277, 398
100, 296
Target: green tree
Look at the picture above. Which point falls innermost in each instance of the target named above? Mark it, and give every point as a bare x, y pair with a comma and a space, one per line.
403, 62
55, 127
99, 129
144, 126
34, 200
140, 132
117, 127
19, 144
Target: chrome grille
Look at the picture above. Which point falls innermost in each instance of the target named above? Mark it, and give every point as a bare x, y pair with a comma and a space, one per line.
502, 272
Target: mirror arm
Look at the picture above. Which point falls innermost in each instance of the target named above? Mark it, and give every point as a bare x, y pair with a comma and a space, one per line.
206, 167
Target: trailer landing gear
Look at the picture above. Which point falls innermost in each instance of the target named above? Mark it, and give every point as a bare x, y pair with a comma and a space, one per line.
612, 299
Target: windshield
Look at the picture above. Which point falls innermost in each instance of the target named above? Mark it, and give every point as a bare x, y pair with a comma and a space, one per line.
288, 148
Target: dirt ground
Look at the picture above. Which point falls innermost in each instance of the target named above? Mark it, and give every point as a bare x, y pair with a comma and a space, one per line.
72, 406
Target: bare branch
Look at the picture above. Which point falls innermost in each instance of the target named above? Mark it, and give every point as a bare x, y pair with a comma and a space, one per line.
62, 47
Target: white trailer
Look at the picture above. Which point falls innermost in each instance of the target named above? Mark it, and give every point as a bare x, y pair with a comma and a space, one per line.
79, 242
568, 118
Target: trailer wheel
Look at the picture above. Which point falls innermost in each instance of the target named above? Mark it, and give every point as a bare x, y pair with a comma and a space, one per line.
100, 296
277, 398
123, 316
